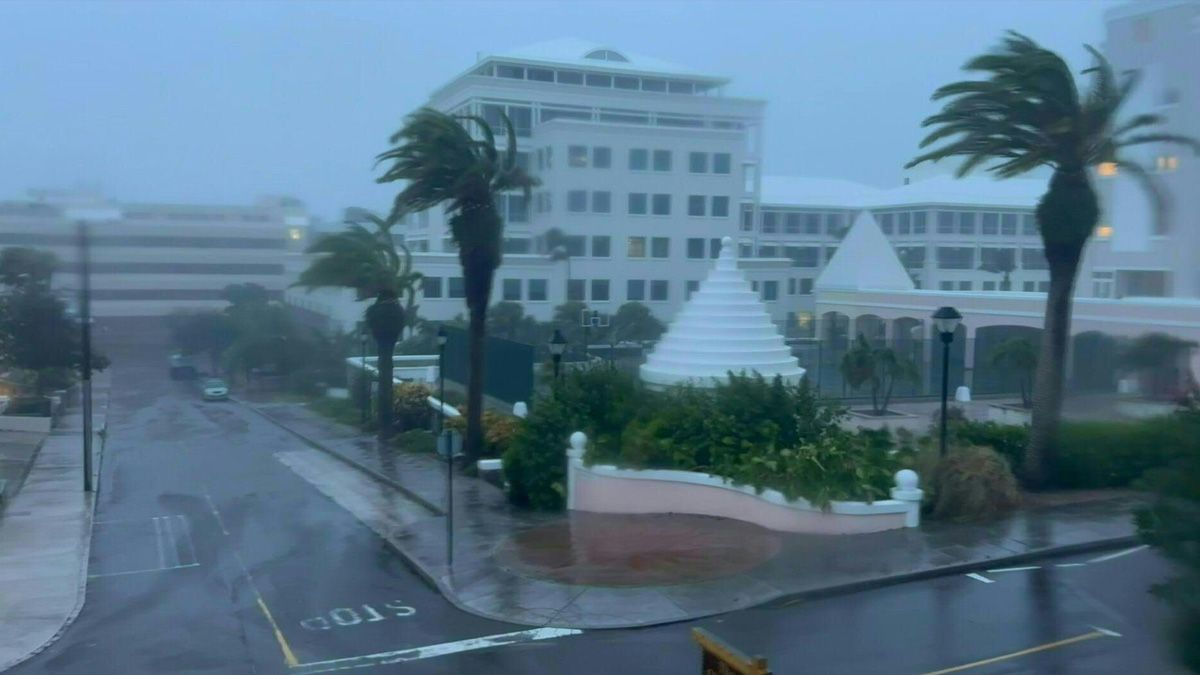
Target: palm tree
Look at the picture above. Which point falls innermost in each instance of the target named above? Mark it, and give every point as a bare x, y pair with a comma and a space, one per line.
1017, 355
881, 367
366, 259
442, 163
1003, 264
1025, 114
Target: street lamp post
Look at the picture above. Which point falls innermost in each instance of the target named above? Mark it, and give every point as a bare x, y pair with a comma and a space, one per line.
85, 365
445, 441
945, 320
558, 344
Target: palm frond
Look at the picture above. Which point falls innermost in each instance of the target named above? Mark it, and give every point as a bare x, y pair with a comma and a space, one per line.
1177, 139
1160, 205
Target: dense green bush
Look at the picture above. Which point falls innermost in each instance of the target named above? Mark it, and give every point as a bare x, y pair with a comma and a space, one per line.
973, 483
835, 466
410, 406
1114, 454
498, 430
1009, 440
416, 440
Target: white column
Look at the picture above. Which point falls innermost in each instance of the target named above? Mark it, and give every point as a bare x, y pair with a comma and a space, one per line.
906, 490
574, 464
969, 357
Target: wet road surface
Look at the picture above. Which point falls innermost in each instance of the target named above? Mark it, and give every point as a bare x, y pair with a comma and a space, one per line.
210, 556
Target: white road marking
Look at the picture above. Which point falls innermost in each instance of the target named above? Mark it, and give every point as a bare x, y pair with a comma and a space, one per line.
152, 569
980, 577
1110, 633
171, 543
216, 514
187, 536
1071, 565
158, 541
431, 651
1014, 569
1118, 554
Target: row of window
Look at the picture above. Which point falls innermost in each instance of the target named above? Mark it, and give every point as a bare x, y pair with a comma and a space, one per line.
795, 222
1028, 286
599, 290
639, 203
521, 116
965, 222
587, 79
963, 258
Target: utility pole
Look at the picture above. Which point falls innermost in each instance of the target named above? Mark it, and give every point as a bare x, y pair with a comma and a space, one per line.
85, 365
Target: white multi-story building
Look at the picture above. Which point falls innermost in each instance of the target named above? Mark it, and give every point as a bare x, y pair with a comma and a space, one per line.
154, 259
1131, 254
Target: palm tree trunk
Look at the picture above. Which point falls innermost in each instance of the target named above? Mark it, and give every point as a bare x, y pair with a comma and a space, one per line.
384, 364
1051, 366
478, 336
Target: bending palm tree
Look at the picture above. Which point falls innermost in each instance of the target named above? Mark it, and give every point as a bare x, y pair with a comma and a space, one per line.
1026, 114
443, 164
366, 260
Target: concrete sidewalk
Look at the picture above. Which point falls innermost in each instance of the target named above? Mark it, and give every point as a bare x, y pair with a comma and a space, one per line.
45, 537
599, 571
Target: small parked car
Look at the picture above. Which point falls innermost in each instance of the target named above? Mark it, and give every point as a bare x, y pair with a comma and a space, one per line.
215, 390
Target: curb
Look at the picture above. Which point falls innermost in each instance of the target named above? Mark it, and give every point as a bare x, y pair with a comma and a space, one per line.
412, 496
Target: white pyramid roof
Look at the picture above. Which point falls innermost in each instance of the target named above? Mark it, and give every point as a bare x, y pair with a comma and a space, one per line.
865, 260
724, 327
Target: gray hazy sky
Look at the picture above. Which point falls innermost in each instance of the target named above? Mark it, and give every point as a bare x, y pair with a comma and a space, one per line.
220, 102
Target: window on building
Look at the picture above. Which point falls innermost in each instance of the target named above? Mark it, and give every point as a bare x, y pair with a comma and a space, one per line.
662, 160
966, 222
658, 290
601, 246
661, 205
1029, 287
1029, 225
912, 257
830, 251
747, 219
511, 289
639, 159
575, 290
575, 245
652, 84
1008, 224
990, 224
692, 287
806, 286
745, 251
601, 201
754, 286
1102, 284
537, 290
768, 251
1033, 259
660, 247
791, 223
539, 74
577, 156
720, 207
998, 258
885, 223
601, 157
598, 80
637, 203
625, 82
945, 285
493, 114
1043, 287
549, 156
791, 286
577, 201
721, 162
599, 290
989, 285
812, 223
714, 247
518, 208
695, 248
512, 72
904, 223
635, 290
516, 245
698, 162
637, 247
955, 257
918, 222
431, 287
834, 224
770, 222
964, 285
770, 291
696, 204
570, 77
945, 222
456, 288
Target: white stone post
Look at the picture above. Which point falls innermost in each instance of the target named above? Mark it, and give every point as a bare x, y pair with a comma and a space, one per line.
906, 490
520, 410
574, 463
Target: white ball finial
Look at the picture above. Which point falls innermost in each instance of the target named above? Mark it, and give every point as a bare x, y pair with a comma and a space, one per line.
906, 479
726, 241
578, 441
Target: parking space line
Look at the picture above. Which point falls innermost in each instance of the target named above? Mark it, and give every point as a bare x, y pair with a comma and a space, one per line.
186, 528
289, 657
1118, 554
979, 577
152, 569
430, 651
171, 543
158, 542
1014, 569
1095, 633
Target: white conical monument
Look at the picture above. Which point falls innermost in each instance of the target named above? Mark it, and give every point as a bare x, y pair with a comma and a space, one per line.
865, 260
723, 328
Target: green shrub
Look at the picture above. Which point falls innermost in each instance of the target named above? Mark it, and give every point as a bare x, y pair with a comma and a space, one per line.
835, 467
1114, 454
973, 483
416, 440
1009, 440
410, 406
498, 430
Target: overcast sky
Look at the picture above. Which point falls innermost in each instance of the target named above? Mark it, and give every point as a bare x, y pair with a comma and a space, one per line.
219, 102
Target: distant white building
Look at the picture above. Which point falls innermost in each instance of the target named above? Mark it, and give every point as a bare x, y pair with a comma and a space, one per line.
1131, 255
154, 259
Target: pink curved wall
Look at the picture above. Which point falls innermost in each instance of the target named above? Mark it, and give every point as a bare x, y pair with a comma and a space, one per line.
607, 494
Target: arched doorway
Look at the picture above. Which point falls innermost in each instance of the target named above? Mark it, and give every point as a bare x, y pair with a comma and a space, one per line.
1000, 378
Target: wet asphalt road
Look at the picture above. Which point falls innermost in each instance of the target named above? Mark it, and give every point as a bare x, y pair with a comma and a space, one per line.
210, 556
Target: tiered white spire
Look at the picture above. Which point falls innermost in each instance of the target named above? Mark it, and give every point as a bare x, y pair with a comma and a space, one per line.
723, 328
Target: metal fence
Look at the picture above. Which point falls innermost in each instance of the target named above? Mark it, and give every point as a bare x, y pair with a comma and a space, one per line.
508, 370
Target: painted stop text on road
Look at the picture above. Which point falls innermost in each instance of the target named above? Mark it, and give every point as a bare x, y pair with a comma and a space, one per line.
346, 617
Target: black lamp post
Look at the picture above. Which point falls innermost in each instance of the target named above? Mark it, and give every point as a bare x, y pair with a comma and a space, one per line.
558, 344
945, 320
445, 441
